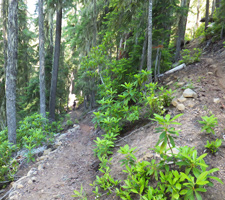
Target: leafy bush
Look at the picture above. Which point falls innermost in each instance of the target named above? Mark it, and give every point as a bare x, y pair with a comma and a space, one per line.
8, 166
209, 124
69, 123
32, 132
214, 145
189, 57
183, 175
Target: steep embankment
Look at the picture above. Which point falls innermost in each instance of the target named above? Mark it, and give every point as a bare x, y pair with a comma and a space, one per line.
57, 174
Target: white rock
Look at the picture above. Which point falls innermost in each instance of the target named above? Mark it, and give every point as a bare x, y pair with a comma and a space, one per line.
47, 152
180, 107
19, 186
174, 102
40, 167
171, 82
62, 137
29, 181
180, 84
216, 100
213, 66
58, 143
191, 104
31, 172
209, 73
182, 99
189, 93
14, 197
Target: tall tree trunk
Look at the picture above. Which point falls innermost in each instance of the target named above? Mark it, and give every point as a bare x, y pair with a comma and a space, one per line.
207, 14
56, 62
95, 23
41, 60
143, 51
4, 32
11, 70
149, 59
198, 13
213, 7
181, 27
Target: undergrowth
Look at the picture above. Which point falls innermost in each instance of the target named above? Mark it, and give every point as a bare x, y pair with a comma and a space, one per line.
32, 132
181, 175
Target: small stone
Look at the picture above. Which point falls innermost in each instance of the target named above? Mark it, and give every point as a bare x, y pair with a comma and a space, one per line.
19, 186
58, 143
34, 179
40, 167
181, 107
31, 172
14, 197
216, 100
213, 66
182, 99
180, 84
62, 137
42, 158
47, 152
171, 82
209, 73
189, 93
29, 181
174, 102
191, 104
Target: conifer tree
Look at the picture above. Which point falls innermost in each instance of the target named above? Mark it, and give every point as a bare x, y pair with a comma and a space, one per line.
55, 66
41, 59
11, 71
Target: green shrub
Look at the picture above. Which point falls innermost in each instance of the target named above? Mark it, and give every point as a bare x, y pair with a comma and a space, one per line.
32, 132
214, 145
209, 123
183, 175
69, 123
8, 166
189, 57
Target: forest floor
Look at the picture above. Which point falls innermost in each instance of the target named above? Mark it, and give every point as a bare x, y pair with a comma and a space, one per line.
73, 164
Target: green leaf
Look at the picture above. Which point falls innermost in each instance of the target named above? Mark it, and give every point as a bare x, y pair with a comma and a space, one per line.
216, 178
134, 191
183, 192
202, 156
202, 176
201, 189
199, 197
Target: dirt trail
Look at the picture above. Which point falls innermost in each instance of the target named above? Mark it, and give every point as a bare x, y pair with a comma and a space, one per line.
62, 171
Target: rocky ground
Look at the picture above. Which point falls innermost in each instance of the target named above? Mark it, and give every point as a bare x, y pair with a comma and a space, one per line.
72, 163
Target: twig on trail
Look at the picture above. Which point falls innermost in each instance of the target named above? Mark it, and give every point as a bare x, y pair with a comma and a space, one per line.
91, 111
6, 194
134, 131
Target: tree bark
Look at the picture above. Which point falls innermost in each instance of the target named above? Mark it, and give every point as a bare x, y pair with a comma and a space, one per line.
11, 70
4, 33
41, 60
143, 51
149, 59
181, 28
207, 14
198, 13
55, 67
95, 23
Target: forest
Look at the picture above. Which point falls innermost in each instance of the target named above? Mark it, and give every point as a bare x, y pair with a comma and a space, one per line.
109, 56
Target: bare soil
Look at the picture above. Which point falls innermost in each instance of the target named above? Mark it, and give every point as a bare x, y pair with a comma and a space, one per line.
73, 163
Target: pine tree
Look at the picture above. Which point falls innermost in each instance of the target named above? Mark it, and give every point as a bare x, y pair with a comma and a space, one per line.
41, 59
11, 70
55, 66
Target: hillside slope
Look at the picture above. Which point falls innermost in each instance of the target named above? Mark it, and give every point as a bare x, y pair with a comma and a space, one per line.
72, 164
